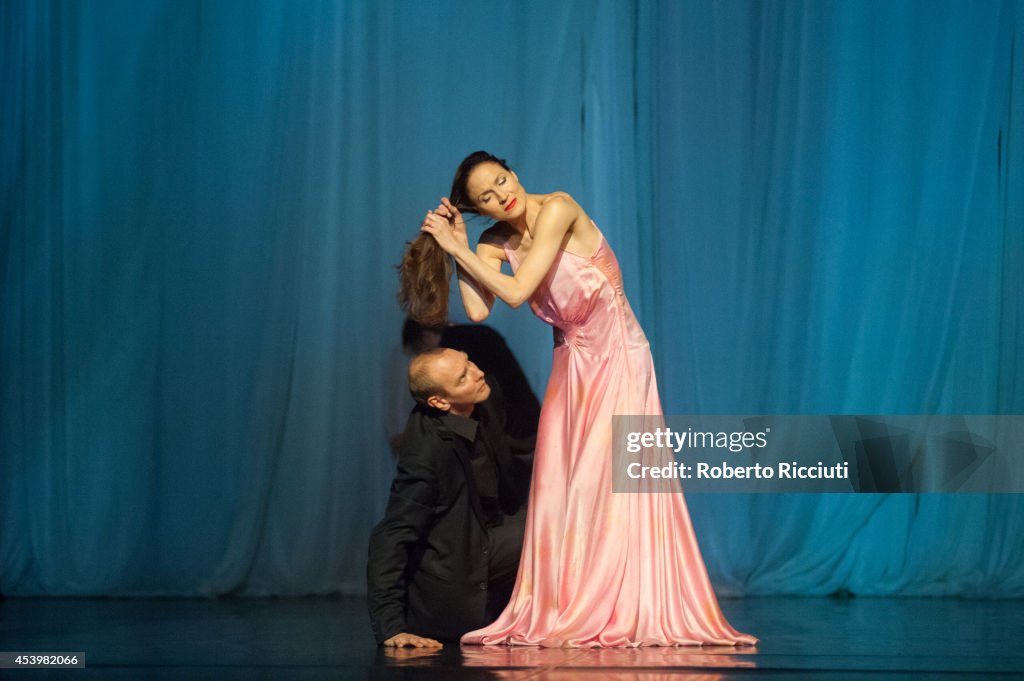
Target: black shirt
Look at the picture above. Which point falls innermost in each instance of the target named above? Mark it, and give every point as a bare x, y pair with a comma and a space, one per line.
485, 470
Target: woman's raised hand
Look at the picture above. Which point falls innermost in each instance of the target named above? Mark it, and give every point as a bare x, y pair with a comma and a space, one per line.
446, 225
447, 209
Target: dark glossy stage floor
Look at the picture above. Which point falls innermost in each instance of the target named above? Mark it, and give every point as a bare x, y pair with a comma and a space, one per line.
322, 638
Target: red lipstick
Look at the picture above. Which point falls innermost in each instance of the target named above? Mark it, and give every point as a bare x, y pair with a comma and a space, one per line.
510, 205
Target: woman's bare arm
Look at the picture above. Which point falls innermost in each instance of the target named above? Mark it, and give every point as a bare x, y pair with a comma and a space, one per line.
555, 219
478, 300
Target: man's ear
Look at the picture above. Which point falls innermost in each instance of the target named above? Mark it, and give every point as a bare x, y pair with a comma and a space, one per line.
438, 402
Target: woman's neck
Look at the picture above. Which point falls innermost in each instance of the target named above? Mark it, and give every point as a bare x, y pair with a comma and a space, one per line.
525, 222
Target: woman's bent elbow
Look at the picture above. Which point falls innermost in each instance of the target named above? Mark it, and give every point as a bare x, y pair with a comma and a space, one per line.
515, 301
477, 316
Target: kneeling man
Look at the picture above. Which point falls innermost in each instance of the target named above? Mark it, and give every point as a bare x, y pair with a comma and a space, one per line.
444, 558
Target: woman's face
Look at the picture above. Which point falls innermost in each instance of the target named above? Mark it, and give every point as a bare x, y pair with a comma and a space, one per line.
496, 192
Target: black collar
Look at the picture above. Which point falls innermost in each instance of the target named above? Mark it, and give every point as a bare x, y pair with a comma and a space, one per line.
461, 425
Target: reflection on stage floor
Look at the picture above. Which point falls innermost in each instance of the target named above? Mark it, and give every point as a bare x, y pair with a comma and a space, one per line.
329, 638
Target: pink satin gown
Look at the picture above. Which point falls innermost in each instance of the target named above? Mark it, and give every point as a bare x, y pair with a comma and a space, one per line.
601, 569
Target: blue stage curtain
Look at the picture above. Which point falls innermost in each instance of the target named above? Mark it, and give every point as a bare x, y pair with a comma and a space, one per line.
818, 208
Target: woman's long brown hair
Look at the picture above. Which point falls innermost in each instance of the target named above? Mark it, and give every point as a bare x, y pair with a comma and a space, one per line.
424, 276
425, 273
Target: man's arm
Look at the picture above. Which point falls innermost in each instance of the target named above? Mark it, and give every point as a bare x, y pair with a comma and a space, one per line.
407, 518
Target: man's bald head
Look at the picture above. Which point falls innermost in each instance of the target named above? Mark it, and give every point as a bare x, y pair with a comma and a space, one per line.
445, 379
422, 383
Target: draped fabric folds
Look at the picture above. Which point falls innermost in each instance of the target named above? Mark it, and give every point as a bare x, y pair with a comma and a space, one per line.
817, 206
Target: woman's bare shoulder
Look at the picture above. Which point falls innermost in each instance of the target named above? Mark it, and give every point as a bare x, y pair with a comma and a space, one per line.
557, 196
564, 201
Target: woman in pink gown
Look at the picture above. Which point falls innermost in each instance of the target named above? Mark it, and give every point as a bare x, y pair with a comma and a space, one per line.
598, 568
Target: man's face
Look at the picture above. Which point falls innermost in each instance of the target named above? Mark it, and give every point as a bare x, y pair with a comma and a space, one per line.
461, 382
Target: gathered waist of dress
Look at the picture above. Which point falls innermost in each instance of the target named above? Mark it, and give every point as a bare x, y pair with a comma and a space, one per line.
585, 337
564, 336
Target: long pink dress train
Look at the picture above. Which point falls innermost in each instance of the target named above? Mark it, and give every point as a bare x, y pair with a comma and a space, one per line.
601, 568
